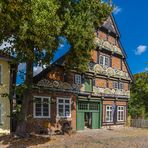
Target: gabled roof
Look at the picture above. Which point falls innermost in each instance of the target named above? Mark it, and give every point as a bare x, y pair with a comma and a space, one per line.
111, 26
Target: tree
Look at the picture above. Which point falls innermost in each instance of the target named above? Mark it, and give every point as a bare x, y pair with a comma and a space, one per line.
34, 29
138, 104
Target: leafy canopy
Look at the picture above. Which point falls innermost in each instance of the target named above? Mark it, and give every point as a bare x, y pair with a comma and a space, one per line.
33, 28
138, 104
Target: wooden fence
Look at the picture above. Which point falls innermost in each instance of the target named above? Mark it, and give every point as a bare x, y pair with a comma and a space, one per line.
139, 123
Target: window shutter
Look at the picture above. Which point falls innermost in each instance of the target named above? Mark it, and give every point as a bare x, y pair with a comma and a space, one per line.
113, 84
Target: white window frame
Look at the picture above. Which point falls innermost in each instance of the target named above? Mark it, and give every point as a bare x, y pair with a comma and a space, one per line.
78, 79
104, 58
34, 109
120, 110
1, 74
110, 110
63, 98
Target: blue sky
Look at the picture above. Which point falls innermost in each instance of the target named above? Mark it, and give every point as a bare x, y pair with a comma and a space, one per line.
132, 20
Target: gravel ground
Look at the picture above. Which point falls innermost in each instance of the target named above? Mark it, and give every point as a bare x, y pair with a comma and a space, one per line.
101, 138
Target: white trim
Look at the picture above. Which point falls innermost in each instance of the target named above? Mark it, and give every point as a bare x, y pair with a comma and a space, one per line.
104, 60
78, 79
63, 98
120, 110
34, 113
111, 114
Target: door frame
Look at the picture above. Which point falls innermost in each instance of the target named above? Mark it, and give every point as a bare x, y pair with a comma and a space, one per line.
83, 111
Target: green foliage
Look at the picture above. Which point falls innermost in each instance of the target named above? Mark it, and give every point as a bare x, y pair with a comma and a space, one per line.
138, 104
34, 26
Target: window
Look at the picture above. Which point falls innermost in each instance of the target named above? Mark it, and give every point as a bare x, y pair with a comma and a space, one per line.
83, 106
121, 85
120, 113
77, 79
1, 74
104, 60
109, 116
63, 107
115, 85
41, 107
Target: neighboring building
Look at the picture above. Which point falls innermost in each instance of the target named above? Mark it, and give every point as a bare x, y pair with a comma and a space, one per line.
6, 80
93, 99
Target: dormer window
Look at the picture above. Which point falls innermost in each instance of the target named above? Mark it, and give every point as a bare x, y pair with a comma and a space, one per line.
78, 79
104, 60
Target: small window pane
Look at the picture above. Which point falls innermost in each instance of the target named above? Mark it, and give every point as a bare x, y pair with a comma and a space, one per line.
45, 110
60, 101
67, 101
93, 106
83, 106
67, 110
38, 109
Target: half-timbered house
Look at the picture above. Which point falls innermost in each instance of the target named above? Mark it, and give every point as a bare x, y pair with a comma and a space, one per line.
93, 99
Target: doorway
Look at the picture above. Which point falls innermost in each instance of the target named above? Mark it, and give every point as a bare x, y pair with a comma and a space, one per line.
88, 119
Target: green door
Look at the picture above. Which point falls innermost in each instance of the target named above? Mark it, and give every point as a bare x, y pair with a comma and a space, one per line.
88, 85
80, 120
95, 120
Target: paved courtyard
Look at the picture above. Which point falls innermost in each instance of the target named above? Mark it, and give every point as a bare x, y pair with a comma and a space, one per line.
101, 138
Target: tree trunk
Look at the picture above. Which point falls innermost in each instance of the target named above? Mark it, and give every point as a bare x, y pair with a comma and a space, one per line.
21, 130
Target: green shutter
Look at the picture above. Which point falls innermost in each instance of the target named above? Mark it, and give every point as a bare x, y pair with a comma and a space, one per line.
88, 85
95, 120
80, 120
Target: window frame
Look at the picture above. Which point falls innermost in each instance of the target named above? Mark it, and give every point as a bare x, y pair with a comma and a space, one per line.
110, 110
104, 60
121, 84
63, 98
119, 110
114, 85
78, 79
34, 107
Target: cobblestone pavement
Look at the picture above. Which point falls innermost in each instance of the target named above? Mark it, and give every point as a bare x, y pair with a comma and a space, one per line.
100, 138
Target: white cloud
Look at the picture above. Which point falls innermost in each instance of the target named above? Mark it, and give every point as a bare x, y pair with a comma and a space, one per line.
140, 49
117, 10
